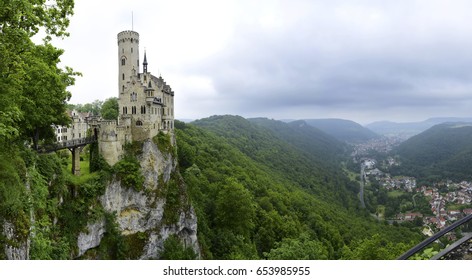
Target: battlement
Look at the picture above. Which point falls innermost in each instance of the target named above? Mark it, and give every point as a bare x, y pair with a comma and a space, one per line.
128, 35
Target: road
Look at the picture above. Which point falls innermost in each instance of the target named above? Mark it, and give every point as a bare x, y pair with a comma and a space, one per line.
361, 194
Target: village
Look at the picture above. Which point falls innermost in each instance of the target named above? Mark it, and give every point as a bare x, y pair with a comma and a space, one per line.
448, 201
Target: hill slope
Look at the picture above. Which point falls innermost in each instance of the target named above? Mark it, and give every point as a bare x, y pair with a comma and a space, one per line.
443, 151
343, 130
303, 154
258, 196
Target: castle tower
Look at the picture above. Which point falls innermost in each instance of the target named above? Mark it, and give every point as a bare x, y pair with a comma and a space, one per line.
128, 57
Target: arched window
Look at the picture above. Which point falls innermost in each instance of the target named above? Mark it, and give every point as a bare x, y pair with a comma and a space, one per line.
139, 123
123, 61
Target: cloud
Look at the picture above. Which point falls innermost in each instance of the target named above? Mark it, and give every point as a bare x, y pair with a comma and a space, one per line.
287, 58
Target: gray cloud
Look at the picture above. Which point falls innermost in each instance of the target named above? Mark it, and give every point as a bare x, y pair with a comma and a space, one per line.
360, 59
335, 68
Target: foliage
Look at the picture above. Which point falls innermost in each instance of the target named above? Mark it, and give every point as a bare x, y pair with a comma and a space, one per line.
249, 207
235, 209
343, 130
375, 248
97, 162
163, 142
109, 110
12, 190
442, 152
310, 157
32, 86
301, 248
175, 250
173, 191
95, 107
128, 171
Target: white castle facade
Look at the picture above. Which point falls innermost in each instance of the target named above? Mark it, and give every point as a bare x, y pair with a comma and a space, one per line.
146, 102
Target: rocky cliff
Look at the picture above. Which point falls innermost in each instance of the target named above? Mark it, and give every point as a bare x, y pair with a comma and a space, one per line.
158, 210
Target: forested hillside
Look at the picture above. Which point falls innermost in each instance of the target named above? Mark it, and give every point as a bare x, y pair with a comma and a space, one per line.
258, 196
343, 130
442, 152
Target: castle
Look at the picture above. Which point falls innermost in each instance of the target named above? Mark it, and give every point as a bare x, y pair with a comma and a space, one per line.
146, 102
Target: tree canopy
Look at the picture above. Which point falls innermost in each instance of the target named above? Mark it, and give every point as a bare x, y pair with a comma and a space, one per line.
109, 110
33, 89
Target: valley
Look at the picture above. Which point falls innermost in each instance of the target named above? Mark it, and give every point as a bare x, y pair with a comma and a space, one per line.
429, 203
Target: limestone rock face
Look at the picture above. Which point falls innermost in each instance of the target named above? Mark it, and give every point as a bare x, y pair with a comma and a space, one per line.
143, 211
92, 238
20, 251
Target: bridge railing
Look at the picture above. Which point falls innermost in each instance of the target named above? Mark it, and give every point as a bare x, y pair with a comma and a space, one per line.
67, 144
435, 237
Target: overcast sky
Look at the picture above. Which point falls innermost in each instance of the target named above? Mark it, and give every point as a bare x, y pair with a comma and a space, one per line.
360, 60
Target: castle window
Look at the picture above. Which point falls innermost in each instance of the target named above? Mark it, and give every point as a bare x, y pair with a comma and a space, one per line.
123, 76
123, 61
123, 89
125, 110
123, 50
131, 50
139, 123
133, 110
133, 97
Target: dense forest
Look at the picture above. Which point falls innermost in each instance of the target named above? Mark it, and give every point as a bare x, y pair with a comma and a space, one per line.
259, 196
441, 152
344, 130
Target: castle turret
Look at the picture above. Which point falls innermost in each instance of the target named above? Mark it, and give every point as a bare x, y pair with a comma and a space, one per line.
145, 64
128, 57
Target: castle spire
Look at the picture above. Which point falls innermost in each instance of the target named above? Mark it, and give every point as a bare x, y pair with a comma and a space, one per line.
145, 63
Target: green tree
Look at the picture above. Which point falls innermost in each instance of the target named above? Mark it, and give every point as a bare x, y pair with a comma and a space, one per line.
375, 248
44, 93
302, 248
235, 208
174, 250
95, 107
109, 110
29, 76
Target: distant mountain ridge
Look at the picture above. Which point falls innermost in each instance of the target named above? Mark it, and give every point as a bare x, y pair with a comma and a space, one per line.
409, 129
343, 130
444, 151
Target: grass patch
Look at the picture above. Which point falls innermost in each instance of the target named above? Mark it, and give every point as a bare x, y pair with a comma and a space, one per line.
395, 194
